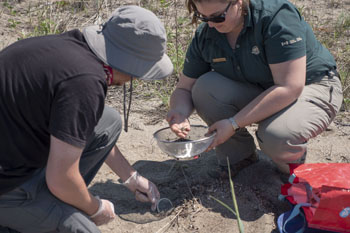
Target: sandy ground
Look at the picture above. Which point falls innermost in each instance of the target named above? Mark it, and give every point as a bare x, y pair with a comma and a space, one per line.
189, 188
186, 183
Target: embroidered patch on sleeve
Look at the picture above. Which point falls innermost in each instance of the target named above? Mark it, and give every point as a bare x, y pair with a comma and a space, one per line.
293, 41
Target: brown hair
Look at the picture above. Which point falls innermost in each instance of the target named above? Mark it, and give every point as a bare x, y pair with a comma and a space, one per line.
191, 7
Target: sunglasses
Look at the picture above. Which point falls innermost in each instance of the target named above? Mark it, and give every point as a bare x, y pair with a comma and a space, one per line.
215, 19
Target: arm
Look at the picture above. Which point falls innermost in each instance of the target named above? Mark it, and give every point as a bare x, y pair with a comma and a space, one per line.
181, 99
63, 177
181, 106
119, 165
289, 78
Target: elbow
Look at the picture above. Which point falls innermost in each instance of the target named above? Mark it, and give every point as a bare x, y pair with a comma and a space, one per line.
296, 91
54, 183
290, 93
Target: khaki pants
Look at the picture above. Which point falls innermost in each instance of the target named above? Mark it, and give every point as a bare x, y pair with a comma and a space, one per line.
282, 136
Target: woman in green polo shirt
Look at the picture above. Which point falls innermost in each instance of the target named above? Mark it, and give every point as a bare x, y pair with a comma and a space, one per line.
256, 61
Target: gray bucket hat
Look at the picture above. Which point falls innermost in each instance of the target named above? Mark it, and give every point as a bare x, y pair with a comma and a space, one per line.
133, 41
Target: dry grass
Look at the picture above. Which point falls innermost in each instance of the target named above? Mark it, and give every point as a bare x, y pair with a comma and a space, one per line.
23, 18
330, 21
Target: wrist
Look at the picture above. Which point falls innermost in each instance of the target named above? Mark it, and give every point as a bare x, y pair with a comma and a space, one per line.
99, 209
126, 176
133, 175
131, 181
234, 124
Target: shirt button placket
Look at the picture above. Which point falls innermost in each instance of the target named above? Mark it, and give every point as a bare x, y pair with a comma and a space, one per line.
238, 69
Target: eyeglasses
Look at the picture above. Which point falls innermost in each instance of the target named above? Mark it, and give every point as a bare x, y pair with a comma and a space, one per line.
215, 19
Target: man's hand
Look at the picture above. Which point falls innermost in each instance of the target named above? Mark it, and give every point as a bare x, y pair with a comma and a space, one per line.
224, 131
144, 190
178, 123
104, 214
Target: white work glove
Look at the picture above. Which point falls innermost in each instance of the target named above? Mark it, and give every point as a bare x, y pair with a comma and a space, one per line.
105, 212
144, 190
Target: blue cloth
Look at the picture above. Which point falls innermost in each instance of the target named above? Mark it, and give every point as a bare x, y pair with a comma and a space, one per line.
296, 224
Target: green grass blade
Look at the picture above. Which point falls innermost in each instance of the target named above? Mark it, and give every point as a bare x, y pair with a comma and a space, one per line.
223, 204
240, 223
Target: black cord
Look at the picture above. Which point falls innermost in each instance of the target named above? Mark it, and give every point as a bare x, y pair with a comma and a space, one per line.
126, 113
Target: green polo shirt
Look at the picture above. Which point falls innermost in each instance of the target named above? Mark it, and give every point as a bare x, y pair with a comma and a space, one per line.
273, 32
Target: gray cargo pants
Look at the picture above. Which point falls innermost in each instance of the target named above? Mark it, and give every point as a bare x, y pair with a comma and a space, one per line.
31, 208
284, 135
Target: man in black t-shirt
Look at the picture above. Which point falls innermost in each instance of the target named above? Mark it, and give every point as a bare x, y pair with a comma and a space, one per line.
56, 131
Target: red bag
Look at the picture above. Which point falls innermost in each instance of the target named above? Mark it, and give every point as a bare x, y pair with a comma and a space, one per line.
323, 192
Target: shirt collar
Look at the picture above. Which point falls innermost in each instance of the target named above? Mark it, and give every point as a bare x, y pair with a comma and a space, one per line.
247, 20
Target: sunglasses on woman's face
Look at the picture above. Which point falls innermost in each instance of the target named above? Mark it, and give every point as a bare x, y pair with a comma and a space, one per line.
215, 19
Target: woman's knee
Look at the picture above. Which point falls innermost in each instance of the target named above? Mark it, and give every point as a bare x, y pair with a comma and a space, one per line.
216, 89
280, 144
213, 96
201, 88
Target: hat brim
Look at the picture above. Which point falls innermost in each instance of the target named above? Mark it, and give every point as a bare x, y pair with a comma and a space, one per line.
119, 59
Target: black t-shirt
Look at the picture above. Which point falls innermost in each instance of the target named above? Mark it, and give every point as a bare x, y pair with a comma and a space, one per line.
50, 85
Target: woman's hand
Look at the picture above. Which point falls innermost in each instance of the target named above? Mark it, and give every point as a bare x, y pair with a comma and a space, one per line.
178, 123
224, 131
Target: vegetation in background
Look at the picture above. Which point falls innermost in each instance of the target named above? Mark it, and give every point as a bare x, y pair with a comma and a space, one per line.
51, 17
43, 17
334, 35
179, 34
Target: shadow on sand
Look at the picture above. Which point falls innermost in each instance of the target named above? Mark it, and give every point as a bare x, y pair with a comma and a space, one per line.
257, 188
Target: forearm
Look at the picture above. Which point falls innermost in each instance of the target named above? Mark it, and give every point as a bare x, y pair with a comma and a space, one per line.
71, 189
181, 101
266, 104
119, 165
63, 177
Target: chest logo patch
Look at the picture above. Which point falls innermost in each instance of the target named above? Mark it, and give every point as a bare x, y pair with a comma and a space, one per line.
255, 50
